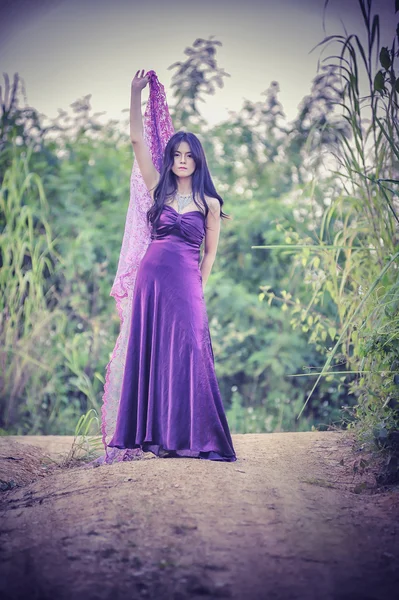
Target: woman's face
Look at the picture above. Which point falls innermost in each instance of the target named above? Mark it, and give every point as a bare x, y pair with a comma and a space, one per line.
183, 162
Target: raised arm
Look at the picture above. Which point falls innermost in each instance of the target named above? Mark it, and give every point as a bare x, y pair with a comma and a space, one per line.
141, 151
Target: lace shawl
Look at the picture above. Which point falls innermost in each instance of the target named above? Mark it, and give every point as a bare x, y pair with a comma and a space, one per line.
157, 129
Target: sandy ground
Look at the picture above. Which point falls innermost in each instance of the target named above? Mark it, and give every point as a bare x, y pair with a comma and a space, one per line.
297, 516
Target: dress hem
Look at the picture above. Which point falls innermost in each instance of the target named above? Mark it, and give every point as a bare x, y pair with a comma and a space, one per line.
160, 451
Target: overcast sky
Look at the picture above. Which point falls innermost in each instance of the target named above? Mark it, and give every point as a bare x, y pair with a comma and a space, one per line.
66, 49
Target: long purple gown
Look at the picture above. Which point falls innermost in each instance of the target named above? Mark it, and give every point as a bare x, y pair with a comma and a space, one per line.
170, 403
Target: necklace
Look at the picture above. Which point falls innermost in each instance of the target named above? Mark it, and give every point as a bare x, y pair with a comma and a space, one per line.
183, 200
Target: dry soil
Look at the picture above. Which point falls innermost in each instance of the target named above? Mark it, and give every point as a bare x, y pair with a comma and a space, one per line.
298, 516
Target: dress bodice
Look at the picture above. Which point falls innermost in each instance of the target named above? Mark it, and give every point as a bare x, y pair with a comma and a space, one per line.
189, 225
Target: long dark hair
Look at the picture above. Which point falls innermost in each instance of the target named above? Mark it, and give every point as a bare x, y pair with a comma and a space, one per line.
201, 178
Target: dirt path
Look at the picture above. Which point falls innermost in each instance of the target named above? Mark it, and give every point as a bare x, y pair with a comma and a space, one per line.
288, 520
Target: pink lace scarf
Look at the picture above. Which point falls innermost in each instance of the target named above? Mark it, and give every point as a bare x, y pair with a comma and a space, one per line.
157, 129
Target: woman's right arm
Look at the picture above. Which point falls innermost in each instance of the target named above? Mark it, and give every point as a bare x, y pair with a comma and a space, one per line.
141, 151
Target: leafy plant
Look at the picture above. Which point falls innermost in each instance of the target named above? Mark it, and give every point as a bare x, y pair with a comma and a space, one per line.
354, 260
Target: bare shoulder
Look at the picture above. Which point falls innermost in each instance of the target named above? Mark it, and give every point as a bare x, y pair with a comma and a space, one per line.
214, 206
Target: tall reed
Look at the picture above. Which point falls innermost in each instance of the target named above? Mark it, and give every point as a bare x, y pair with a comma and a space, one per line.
27, 321
357, 259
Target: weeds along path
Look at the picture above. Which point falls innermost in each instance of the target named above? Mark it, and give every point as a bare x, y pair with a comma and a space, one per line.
290, 519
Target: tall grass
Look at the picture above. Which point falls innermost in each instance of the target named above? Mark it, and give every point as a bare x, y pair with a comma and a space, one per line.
27, 320
357, 259
364, 285
87, 443
45, 381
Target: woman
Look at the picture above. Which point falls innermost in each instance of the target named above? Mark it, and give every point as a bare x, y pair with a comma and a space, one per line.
170, 402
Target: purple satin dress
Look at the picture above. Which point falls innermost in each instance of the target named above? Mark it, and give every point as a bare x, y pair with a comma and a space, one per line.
170, 403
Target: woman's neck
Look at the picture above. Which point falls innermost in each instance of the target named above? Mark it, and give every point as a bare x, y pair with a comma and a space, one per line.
184, 186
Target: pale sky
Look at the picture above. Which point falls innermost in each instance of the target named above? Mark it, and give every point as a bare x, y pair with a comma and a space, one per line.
66, 49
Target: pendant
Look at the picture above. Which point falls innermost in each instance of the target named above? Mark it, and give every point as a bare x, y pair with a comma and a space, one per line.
183, 200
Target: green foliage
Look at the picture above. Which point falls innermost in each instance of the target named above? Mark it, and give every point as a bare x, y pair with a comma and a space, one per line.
278, 193
28, 326
353, 263
58, 320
